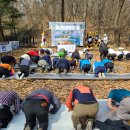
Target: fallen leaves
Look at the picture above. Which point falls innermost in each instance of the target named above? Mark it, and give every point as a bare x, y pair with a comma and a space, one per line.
61, 88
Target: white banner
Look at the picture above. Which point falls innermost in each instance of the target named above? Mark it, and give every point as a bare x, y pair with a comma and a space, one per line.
8, 46
67, 33
68, 48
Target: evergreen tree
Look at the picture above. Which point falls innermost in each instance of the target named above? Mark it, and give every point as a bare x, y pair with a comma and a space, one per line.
9, 15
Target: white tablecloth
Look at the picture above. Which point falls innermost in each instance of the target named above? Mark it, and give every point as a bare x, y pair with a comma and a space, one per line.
68, 48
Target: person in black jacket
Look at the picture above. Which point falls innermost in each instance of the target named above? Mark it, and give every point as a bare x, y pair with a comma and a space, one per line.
63, 65
103, 49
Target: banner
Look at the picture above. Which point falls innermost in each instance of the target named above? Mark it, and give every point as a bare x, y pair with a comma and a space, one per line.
8, 46
67, 33
68, 48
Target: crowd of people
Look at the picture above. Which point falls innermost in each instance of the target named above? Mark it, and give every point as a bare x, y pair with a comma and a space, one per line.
64, 61
80, 100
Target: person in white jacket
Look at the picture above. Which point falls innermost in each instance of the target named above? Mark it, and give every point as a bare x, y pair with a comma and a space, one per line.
119, 55
111, 54
105, 39
127, 54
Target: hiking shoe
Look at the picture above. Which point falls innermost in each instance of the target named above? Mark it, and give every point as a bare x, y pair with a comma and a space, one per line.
126, 122
89, 125
99, 75
3, 76
17, 76
82, 71
21, 77
27, 128
0, 124
103, 75
57, 71
65, 71
79, 127
39, 129
108, 70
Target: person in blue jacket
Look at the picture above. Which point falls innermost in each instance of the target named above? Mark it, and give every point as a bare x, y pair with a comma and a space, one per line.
108, 64
84, 65
99, 69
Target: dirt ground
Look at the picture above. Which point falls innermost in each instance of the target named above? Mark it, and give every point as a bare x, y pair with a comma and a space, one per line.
61, 88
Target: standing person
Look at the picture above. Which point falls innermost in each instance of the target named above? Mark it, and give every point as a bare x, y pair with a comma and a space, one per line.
103, 49
84, 105
84, 65
105, 38
7, 99
36, 105
122, 97
108, 64
99, 69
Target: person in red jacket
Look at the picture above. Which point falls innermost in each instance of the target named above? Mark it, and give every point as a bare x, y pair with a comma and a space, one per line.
84, 106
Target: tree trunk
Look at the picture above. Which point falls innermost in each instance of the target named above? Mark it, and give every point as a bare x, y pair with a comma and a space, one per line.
117, 36
62, 10
84, 20
116, 30
1, 32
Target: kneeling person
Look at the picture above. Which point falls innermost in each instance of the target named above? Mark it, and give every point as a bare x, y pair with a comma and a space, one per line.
63, 65
7, 99
24, 67
119, 99
108, 64
84, 106
99, 69
84, 66
37, 106
6, 70
119, 55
